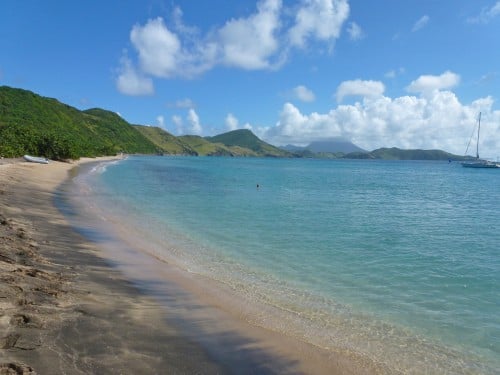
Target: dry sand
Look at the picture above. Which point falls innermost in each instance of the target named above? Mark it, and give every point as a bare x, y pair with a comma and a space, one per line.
65, 310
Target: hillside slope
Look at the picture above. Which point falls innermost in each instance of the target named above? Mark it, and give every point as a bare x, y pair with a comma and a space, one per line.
32, 124
244, 138
165, 142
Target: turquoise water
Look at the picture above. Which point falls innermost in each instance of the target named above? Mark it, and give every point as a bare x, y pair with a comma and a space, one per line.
398, 261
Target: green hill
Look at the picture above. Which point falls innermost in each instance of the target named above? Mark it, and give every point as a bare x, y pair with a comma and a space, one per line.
398, 154
203, 147
32, 124
244, 138
165, 142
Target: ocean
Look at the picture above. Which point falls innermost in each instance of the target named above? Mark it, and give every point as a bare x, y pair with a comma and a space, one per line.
398, 261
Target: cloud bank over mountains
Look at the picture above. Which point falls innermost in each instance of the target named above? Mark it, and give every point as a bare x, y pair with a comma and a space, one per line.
437, 121
434, 118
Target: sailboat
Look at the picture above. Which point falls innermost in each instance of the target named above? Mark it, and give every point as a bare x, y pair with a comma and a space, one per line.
479, 163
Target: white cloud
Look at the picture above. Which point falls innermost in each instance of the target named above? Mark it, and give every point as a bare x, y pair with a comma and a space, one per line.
486, 14
359, 88
191, 125
131, 82
429, 83
160, 121
422, 22
438, 121
159, 49
231, 122
249, 43
304, 94
318, 19
261, 40
355, 31
194, 123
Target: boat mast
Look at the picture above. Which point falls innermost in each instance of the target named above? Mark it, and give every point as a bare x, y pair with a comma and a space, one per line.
478, 129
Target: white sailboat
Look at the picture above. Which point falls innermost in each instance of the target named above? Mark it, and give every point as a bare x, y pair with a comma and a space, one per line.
479, 163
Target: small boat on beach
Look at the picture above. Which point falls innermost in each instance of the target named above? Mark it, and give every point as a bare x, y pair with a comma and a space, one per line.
36, 159
479, 163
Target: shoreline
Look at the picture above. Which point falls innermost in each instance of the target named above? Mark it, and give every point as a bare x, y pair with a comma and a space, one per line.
64, 309
71, 309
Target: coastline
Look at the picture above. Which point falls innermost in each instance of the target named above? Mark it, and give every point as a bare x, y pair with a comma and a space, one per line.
65, 308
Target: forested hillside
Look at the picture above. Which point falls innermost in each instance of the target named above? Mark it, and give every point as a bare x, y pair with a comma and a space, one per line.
32, 124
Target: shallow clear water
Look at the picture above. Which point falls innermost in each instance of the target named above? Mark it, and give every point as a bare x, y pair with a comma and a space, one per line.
399, 261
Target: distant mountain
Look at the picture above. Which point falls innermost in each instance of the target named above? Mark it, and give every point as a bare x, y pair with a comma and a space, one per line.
327, 146
399, 154
293, 148
245, 139
334, 146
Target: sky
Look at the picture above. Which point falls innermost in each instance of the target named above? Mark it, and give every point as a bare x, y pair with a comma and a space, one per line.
380, 73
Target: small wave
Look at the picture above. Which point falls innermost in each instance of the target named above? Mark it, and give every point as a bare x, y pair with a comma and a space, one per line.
102, 167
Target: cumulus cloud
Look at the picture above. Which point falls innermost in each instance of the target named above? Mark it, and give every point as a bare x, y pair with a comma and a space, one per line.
160, 121
434, 119
355, 31
190, 125
359, 88
132, 82
231, 122
439, 121
194, 123
159, 49
318, 19
429, 83
422, 22
303, 94
261, 40
486, 14
249, 43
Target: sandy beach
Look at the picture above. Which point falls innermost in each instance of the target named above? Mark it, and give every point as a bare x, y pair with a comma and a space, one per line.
65, 309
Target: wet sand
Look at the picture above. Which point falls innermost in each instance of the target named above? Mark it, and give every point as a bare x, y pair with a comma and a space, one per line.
65, 307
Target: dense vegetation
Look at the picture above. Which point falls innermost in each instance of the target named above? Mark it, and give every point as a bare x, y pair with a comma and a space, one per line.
32, 124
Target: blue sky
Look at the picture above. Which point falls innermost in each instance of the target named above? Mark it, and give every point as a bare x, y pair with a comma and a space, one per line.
409, 74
